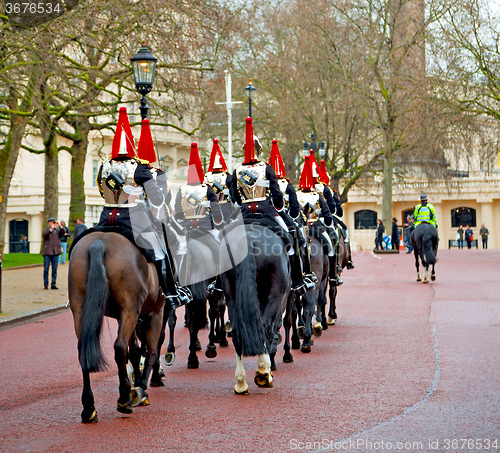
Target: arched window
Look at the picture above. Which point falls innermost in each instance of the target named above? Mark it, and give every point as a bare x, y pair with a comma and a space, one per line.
463, 216
365, 219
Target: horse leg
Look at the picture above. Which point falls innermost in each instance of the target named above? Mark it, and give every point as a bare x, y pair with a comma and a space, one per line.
241, 386
211, 350
426, 274
417, 264
294, 320
157, 374
324, 324
287, 324
433, 274
89, 413
170, 354
125, 330
223, 337
263, 374
332, 313
308, 311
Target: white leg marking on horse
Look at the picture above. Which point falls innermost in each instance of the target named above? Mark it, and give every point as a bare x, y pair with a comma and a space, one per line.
263, 375
241, 386
426, 277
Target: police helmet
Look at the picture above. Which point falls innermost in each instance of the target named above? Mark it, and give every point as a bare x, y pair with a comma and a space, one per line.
423, 197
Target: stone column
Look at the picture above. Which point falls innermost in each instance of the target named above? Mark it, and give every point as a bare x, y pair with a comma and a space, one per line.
486, 216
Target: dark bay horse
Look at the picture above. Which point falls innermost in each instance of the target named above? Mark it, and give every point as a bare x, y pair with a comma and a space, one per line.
344, 258
109, 276
304, 307
425, 244
256, 287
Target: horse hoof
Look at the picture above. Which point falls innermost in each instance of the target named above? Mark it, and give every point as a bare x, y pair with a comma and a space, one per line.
136, 393
273, 367
330, 321
169, 358
193, 363
156, 382
211, 352
125, 408
433, 278
223, 342
311, 341
241, 389
89, 419
418, 278
287, 358
300, 331
425, 280
264, 379
198, 346
317, 330
279, 338
305, 348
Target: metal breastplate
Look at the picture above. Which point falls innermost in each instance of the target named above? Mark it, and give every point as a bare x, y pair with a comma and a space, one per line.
117, 184
194, 201
252, 182
217, 182
313, 199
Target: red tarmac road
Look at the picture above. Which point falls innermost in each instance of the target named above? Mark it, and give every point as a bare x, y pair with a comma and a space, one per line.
409, 367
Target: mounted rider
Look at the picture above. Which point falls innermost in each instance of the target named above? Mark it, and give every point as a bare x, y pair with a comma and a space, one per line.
219, 179
130, 191
316, 209
425, 212
197, 208
333, 201
292, 213
256, 190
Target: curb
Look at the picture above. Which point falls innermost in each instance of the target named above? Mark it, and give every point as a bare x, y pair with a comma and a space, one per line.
20, 318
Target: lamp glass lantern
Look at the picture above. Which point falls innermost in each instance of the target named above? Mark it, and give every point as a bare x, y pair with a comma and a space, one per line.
249, 89
305, 149
144, 68
322, 150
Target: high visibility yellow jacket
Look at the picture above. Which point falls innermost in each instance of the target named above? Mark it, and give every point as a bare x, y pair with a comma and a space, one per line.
425, 213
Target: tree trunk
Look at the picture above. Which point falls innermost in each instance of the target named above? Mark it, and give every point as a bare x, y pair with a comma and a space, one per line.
387, 187
78, 157
51, 198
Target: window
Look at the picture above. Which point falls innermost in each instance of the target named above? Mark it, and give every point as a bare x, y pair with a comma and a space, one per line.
95, 170
365, 219
463, 216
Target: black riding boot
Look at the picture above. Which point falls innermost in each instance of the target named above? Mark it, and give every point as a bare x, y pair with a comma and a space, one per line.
215, 289
175, 294
332, 273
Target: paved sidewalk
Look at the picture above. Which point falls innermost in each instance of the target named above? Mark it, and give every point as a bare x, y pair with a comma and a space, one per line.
23, 296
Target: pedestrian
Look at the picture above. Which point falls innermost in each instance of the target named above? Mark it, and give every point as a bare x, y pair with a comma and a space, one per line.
379, 235
460, 237
64, 242
469, 236
24, 244
484, 235
51, 251
395, 234
79, 228
409, 229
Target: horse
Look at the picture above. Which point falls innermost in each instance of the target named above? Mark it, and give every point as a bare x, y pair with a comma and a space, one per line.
344, 258
424, 239
255, 285
304, 307
109, 276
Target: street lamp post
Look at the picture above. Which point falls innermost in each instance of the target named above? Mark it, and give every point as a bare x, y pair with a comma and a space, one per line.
144, 67
250, 88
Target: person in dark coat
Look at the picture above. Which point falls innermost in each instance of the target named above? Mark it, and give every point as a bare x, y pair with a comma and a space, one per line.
395, 234
379, 237
51, 251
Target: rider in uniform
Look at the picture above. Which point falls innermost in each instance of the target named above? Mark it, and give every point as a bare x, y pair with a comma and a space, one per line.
292, 213
126, 182
254, 186
425, 212
314, 206
219, 179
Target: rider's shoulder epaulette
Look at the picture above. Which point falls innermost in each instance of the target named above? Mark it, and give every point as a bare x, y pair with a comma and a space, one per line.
141, 161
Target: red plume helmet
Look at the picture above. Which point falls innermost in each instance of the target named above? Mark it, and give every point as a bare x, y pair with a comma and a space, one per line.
306, 178
145, 148
123, 141
249, 142
195, 171
276, 161
315, 165
324, 178
217, 152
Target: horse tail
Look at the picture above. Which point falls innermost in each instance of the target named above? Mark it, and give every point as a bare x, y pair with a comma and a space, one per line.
428, 248
89, 343
247, 322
